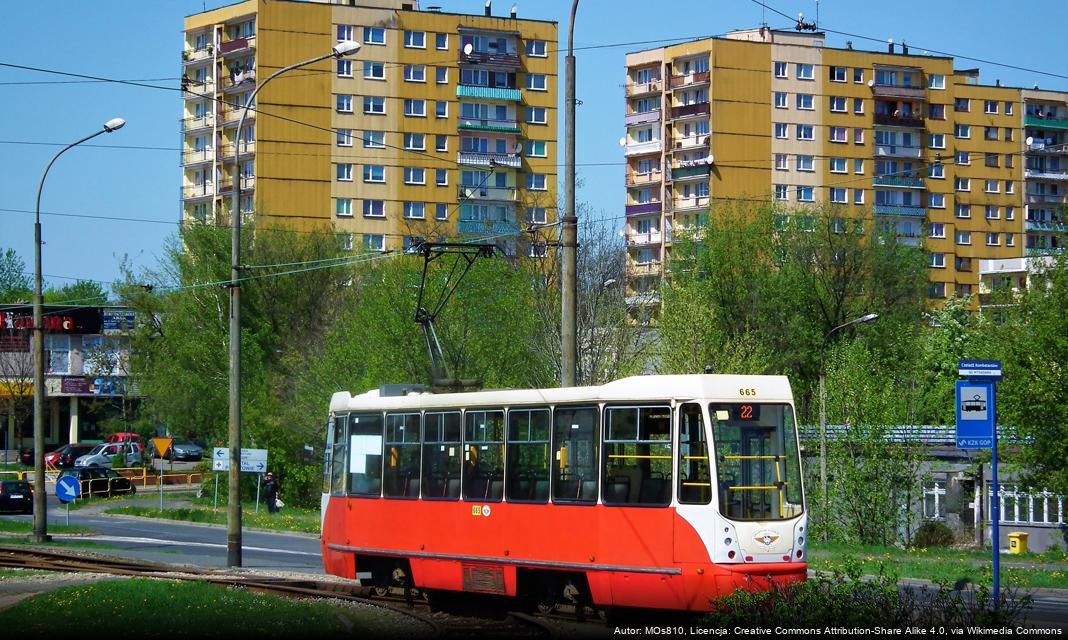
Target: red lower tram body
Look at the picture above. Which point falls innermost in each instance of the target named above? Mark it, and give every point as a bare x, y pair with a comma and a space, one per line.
609, 556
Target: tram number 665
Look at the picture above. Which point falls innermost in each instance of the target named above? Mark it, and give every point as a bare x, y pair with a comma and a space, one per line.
747, 392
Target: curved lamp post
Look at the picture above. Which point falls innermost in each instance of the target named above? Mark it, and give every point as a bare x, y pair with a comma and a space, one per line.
233, 520
40, 514
871, 317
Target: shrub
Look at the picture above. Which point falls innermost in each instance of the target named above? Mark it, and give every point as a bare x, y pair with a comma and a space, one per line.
933, 534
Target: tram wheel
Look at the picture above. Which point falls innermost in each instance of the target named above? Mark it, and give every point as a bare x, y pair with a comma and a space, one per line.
547, 599
381, 592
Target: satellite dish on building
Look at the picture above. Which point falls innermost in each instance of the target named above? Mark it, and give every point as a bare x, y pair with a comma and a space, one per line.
1029, 140
871, 83
623, 141
468, 48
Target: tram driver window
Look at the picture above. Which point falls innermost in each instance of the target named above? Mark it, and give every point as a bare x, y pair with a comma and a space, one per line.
528, 455
442, 454
338, 463
365, 454
483, 475
695, 479
401, 476
575, 445
637, 455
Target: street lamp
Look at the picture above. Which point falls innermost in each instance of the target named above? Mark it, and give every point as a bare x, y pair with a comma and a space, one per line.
871, 317
233, 520
40, 514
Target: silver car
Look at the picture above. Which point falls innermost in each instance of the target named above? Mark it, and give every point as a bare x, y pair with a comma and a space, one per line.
101, 455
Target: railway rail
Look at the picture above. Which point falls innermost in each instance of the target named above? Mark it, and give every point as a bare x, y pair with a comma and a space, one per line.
439, 624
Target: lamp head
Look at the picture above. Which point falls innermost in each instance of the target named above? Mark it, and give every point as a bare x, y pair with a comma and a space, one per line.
114, 124
346, 48
871, 317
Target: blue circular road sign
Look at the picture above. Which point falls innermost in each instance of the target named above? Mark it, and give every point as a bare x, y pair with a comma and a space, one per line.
68, 488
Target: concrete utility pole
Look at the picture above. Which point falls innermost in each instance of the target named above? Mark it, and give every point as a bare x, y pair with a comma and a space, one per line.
233, 512
40, 505
569, 229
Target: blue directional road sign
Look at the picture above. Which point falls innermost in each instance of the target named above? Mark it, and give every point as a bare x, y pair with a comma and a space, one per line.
68, 488
984, 369
975, 414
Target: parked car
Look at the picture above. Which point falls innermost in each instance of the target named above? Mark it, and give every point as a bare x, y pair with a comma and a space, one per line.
124, 437
182, 449
16, 495
101, 454
26, 455
97, 481
64, 458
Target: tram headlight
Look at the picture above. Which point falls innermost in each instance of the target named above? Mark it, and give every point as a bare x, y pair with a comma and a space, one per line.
727, 541
801, 540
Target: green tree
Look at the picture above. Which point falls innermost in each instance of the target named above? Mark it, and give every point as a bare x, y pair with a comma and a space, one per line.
15, 284
81, 292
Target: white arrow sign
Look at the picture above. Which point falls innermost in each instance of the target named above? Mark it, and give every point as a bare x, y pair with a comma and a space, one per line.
252, 460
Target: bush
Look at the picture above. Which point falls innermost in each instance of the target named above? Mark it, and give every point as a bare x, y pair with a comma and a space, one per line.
933, 534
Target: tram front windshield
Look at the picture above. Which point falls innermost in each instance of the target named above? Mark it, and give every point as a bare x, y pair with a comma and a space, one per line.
757, 462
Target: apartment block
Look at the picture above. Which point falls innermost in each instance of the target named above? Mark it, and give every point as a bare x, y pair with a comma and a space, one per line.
442, 125
909, 143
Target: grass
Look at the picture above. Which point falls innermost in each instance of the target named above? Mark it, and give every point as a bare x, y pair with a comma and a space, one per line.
943, 564
17, 526
142, 495
20, 573
172, 609
288, 519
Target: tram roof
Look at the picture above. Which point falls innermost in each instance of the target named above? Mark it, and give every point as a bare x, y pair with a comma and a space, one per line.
633, 389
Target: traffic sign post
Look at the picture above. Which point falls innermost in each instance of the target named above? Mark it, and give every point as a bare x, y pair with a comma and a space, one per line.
976, 410
68, 488
252, 461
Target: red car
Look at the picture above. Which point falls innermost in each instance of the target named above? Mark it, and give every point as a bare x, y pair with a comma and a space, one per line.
124, 437
64, 457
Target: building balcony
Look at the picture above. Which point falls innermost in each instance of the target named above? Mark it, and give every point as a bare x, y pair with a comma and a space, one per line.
897, 151
686, 173
644, 269
195, 89
1036, 174
893, 91
226, 185
1032, 252
1041, 198
643, 208
238, 45
489, 124
488, 93
1050, 227
226, 151
499, 194
488, 227
899, 210
909, 240
509, 61
245, 79
690, 110
642, 239
644, 117
689, 143
197, 156
693, 202
193, 191
690, 79
195, 123
193, 56
489, 159
1044, 123
888, 120
642, 299
897, 181
641, 148
635, 179
231, 115
644, 88
1048, 147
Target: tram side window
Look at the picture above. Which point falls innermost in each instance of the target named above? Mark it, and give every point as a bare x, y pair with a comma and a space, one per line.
528, 455
695, 477
637, 455
365, 454
575, 444
401, 476
337, 454
442, 455
484, 455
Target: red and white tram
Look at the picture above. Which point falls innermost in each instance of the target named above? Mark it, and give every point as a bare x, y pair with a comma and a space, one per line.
653, 491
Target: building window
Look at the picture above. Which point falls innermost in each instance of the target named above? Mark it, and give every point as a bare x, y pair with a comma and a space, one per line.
963, 237
993, 239
858, 76
962, 131
374, 104
344, 241
415, 210
805, 72
415, 141
441, 109
536, 182
780, 70
838, 74
781, 130
344, 207
344, 32
442, 211
781, 192
934, 500
344, 104
838, 104
414, 73
374, 139
936, 230
993, 212
806, 132
936, 290
415, 108
536, 149
374, 71
936, 170
962, 184
344, 68
936, 141
964, 211
780, 100
805, 163
1009, 187
537, 215
374, 209
441, 41
442, 177
344, 171
961, 104
858, 105
1010, 212
838, 134
936, 111
374, 173
804, 101
441, 75
536, 115
936, 81
536, 48
441, 143
858, 136
414, 175
990, 106
781, 162
1010, 240
374, 241
858, 196
536, 81
374, 35
936, 260
936, 200
415, 39
344, 137
838, 195
1008, 134
805, 194
991, 186
858, 166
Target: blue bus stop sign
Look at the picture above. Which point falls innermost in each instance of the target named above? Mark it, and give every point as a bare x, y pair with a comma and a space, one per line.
68, 488
975, 414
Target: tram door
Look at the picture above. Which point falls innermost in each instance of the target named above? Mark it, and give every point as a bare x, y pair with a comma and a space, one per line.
758, 472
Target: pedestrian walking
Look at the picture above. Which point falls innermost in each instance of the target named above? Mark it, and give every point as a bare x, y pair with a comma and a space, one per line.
270, 489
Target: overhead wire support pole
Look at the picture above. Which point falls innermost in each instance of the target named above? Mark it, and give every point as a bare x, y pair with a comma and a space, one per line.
569, 230
233, 517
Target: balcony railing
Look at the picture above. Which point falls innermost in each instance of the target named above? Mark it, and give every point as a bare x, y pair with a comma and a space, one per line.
894, 91
1054, 227
227, 150
488, 93
489, 159
641, 299
1044, 147
897, 151
649, 237
888, 120
488, 227
195, 156
193, 56
500, 194
645, 268
700, 77
643, 208
1045, 123
198, 89
698, 109
642, 88
197, 190
639, 148
899, 210
243, 79
247, 184
690, 142
1041, 198
694, 202
1035, 174
237, 44
683, 173
489, 124
493, 59
634, 178
642, 118
198, 122
1031, 252
897, 181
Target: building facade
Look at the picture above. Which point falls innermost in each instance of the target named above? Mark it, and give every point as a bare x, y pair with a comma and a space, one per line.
918, 148
441, 125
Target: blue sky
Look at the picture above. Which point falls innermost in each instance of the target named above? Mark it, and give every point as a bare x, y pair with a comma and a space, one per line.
137, 39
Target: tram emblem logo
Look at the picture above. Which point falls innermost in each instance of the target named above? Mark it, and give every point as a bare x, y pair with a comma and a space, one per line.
766, 538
